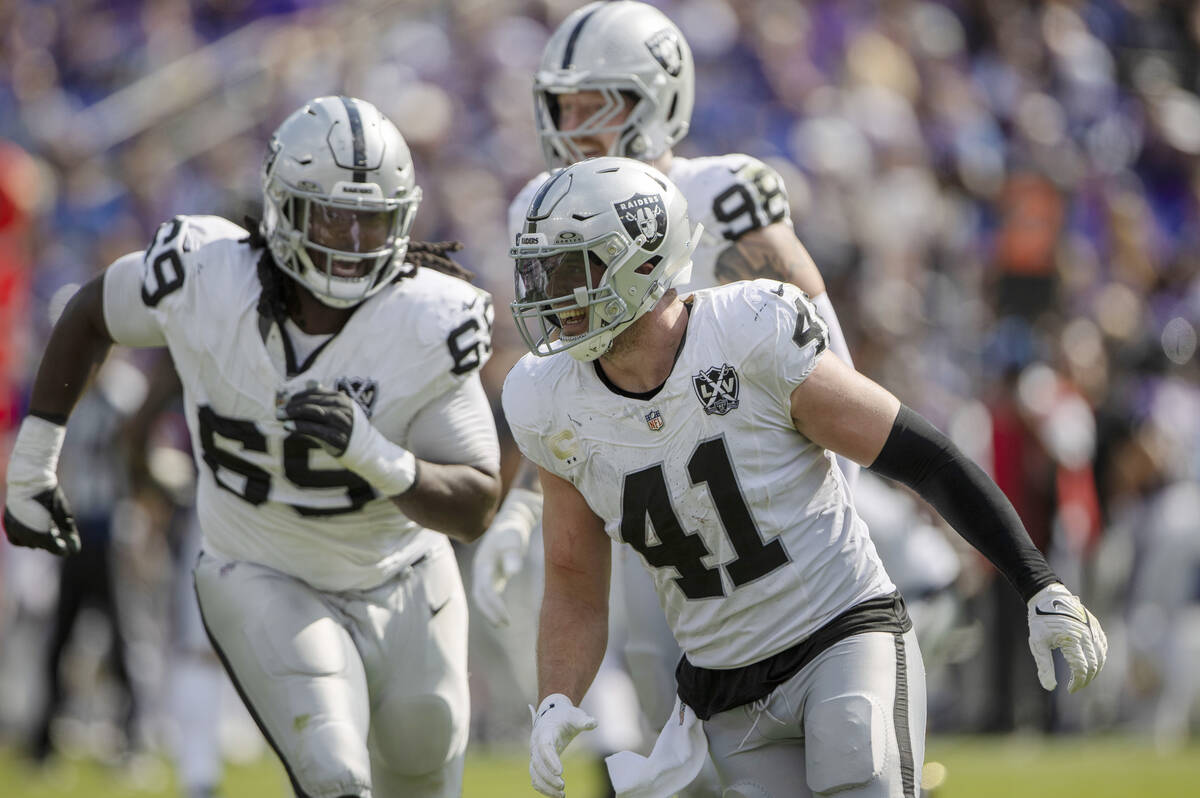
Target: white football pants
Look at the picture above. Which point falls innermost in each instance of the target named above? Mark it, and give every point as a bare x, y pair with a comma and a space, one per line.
850, 723
360, 693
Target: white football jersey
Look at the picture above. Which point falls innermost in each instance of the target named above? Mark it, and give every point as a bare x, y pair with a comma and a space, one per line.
746, 526
731, 195
266, 495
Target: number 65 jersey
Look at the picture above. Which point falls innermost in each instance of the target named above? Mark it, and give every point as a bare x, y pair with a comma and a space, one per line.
409, 355
745, 525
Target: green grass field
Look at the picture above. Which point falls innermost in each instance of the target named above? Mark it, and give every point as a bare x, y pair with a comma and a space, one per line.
1018, 767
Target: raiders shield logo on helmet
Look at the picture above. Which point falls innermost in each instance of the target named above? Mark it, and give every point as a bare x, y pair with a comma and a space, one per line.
644, 215
361, 389
717, 389
664, 46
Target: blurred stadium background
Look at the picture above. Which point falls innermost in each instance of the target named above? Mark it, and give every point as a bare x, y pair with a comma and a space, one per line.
1003, 199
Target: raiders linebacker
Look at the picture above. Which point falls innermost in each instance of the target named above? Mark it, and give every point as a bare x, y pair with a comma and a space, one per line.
341, 434
701, 432
617, 78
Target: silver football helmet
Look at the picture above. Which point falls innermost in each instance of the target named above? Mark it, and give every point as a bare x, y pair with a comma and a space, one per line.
616, 48
602, 242
339, 197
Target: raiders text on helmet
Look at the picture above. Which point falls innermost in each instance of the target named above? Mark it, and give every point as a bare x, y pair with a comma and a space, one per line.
603, 241
339, 163
616, 47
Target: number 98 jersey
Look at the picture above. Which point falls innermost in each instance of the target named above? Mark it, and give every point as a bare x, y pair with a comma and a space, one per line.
275, 497
745, 525
731, 195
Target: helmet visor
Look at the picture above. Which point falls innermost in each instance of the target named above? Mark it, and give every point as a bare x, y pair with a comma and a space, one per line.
589, 117
345, 241
562, 297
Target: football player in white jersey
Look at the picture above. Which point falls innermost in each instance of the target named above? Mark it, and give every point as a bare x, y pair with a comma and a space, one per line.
341, 435
700, 431
617, 78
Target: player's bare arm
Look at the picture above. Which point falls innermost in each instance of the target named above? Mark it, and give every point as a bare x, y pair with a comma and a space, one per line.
772, 253
456, 500
849, 414
77, 348
840, 409
573, 631
36, 513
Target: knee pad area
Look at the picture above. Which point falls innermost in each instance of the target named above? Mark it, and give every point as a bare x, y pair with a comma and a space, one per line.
416, 734
845, 742
330, 760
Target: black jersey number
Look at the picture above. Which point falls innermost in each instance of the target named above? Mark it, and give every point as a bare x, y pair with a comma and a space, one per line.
747, 206
646, 496
809, 327
165, 275
470, 342
255, 485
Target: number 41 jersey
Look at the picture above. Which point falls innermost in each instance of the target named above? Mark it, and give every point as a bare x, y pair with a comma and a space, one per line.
274, 497
745, 525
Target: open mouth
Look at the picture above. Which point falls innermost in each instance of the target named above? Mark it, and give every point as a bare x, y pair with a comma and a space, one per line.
573, 322
349, 269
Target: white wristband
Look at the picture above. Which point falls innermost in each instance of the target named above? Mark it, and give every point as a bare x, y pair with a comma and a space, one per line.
389, 468
34, 460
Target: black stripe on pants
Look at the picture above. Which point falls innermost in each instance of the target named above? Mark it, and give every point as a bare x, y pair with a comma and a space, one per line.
262, 727
900, 720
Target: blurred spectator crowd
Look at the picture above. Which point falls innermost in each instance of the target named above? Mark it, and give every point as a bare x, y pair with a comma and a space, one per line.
1003, 197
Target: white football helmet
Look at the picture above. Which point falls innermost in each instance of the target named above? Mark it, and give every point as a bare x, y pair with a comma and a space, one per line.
339, 197
615, 48
602, 242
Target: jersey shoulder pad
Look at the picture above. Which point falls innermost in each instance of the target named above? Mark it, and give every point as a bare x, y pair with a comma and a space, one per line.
532, 391
449, 317
520, 204
179, 246
734, 194
764, 316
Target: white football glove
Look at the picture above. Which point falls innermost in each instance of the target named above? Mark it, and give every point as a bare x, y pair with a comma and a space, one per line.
555, 724
1057, 619
500, 552
36, 513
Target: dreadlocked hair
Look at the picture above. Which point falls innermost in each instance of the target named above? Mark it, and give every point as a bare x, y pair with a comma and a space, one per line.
273, 299
433, 255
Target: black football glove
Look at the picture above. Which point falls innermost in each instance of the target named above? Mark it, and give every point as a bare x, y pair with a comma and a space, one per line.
48, 522
325, 416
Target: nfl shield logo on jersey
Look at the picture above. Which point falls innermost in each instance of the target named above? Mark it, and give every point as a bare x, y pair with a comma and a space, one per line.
717, 389
643, 214
360, 389
654, 420
664, 46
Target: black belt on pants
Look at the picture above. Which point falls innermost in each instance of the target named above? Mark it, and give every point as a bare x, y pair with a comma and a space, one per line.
709, 691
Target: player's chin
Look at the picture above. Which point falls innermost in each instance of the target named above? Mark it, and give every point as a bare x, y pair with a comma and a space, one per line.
590, 148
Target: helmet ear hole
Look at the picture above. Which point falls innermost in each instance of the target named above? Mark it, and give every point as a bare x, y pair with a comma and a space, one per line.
649, 265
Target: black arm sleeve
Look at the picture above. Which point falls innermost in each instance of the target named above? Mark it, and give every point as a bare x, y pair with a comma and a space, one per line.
918, 455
